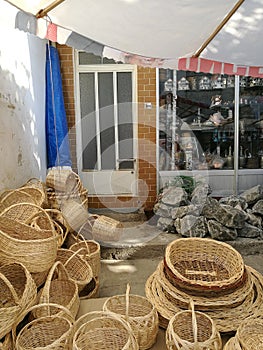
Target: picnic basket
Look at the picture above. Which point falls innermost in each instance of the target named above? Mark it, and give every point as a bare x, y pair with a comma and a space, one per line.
203, 265
191, 330
139, 313
103, 330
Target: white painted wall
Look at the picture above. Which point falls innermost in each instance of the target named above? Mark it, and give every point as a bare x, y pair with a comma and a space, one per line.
22, 104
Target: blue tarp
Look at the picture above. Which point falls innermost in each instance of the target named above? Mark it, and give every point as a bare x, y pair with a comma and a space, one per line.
57, 142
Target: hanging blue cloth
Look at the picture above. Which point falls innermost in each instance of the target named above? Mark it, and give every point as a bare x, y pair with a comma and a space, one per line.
57, 142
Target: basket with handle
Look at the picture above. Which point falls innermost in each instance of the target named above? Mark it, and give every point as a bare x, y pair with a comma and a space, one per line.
59, 289
16, 196
36, 249
37, 193
18, 292
139, 313
74, 213
104, 228
103, 330
90, 252
61, 180
191, 330
77, 268
51, 332
203, 265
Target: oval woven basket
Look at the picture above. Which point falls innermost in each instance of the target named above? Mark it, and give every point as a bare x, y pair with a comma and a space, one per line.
250, 334
18, 292
139, 313
74, 213
77, 268
105, 229
50, 332
104, 331
16, 196
36, 249
191, 330
203, 265
61, 180
90, 253
59, 289
37, 193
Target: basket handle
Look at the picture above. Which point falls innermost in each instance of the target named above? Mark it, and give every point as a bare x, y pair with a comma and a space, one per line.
73, 255
194, 323
84, 240
127, 304
10, 286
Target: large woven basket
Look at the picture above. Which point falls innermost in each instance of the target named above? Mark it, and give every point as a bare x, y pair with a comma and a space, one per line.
139, 313
59, 289
36, 249
203, 265
104, 331
50, 332
105, 229
77, 268
36, 192
16, 196
191, 330
90, 253
18, 292
250, 334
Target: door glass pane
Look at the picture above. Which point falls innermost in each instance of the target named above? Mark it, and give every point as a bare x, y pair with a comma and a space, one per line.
125, 127
88, 121
107, 131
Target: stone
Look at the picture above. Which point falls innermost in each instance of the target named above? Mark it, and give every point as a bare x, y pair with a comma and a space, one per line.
210, 207
200, 194
234, 201
179, 212
192, 226
252, 195
231, 217
249, 231
163, 210
220, 232
258, 207
166, 224
175, 196
253, 219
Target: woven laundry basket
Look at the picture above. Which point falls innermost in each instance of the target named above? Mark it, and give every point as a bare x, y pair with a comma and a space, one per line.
50, 332
104, 331
191, 330
36, 249
77, 268
105, 229
18, 292
74, 213
203, 265
139, 313
59, 289
90, 252
250, 334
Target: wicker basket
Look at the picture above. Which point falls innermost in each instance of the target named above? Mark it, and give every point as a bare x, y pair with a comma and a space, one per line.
105, 229
190, 330
90, 253
74, 213
37, 193
7, 342
59, 289
232, 344
18, 292
104, 331
77, 268
61, 180
250, 334
56, 199
50, 332
203, 265
16, 196
139, 313
36, 249
91, 290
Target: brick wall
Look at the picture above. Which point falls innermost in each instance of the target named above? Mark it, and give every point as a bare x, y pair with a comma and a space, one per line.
146, 135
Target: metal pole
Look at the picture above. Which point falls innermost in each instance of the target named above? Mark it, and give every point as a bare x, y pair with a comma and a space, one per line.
236, 136
173, 127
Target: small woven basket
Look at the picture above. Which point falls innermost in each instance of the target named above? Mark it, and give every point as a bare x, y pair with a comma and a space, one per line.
250, 334
59, 289
190, 330
36, 249
203, 265
105, 229
50, 332
104, 331
18, 292
139, 313
90, 253
77, 268
61, 180
74, 213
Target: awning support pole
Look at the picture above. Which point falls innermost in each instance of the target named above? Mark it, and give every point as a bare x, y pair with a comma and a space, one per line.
217, 30
44, 12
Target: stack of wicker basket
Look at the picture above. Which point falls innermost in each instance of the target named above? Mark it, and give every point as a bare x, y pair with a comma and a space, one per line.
213, 275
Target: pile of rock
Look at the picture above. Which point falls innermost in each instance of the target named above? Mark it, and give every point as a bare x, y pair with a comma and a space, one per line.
197, 214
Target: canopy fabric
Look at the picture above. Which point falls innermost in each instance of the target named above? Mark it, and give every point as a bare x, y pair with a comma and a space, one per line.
157, 33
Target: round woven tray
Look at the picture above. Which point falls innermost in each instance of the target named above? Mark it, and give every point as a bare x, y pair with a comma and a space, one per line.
203, 265
104, 331
190, 330
139, 313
